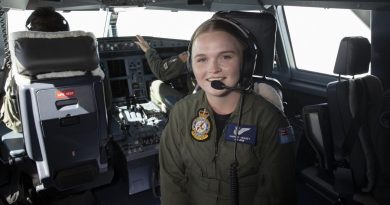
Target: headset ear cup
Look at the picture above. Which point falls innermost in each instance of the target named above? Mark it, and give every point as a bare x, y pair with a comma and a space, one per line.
247, 68
250, 53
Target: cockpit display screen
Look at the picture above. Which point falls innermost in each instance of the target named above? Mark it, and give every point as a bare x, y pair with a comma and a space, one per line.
116, 68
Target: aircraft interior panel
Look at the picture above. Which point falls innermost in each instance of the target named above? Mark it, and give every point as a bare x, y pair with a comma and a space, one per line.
136, 123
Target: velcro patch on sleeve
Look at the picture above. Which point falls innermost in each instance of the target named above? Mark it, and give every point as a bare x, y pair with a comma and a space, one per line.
286, 135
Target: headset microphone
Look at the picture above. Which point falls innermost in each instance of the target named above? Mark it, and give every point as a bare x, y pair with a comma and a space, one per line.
218, 85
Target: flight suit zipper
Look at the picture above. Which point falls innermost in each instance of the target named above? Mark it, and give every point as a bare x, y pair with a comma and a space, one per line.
216, 143
216, 150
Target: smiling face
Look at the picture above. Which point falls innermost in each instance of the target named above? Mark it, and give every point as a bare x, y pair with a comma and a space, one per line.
216, 55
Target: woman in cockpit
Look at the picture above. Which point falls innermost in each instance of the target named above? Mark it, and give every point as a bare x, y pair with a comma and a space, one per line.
224, 144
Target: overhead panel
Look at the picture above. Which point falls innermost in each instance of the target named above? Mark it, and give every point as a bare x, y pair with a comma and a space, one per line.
20, 4
348, 4
65, 4
219, 5
189, 5
207, 5
126, 2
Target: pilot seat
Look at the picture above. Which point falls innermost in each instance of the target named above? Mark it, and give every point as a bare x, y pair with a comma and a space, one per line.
343, 131
62, 108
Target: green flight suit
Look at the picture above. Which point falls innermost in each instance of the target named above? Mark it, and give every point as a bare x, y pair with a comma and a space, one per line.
169, 69
176, 83
197, 172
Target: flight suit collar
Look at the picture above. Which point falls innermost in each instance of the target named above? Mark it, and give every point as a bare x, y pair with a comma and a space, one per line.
247, 105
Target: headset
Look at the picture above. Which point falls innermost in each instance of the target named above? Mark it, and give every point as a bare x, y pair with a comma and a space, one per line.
250, 54
48, 20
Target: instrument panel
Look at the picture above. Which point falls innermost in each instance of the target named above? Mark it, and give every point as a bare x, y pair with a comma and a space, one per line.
136, 123
126, 67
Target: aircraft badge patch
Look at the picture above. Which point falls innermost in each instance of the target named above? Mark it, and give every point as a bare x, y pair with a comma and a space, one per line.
201, 126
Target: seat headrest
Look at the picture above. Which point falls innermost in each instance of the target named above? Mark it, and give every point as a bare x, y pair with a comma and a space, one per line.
353, 57
268, 80
263, 26
270, 89
36, 52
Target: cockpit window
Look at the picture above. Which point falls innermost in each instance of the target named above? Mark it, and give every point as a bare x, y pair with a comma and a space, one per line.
316, 33
92, 21
130, 22
160, 23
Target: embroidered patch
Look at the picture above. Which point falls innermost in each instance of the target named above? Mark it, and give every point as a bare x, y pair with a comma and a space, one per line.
172, 60
201, 126
286, 135
165, 65
246, 133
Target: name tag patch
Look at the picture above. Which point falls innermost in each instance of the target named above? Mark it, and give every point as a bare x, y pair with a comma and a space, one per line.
246, 134
286, 135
